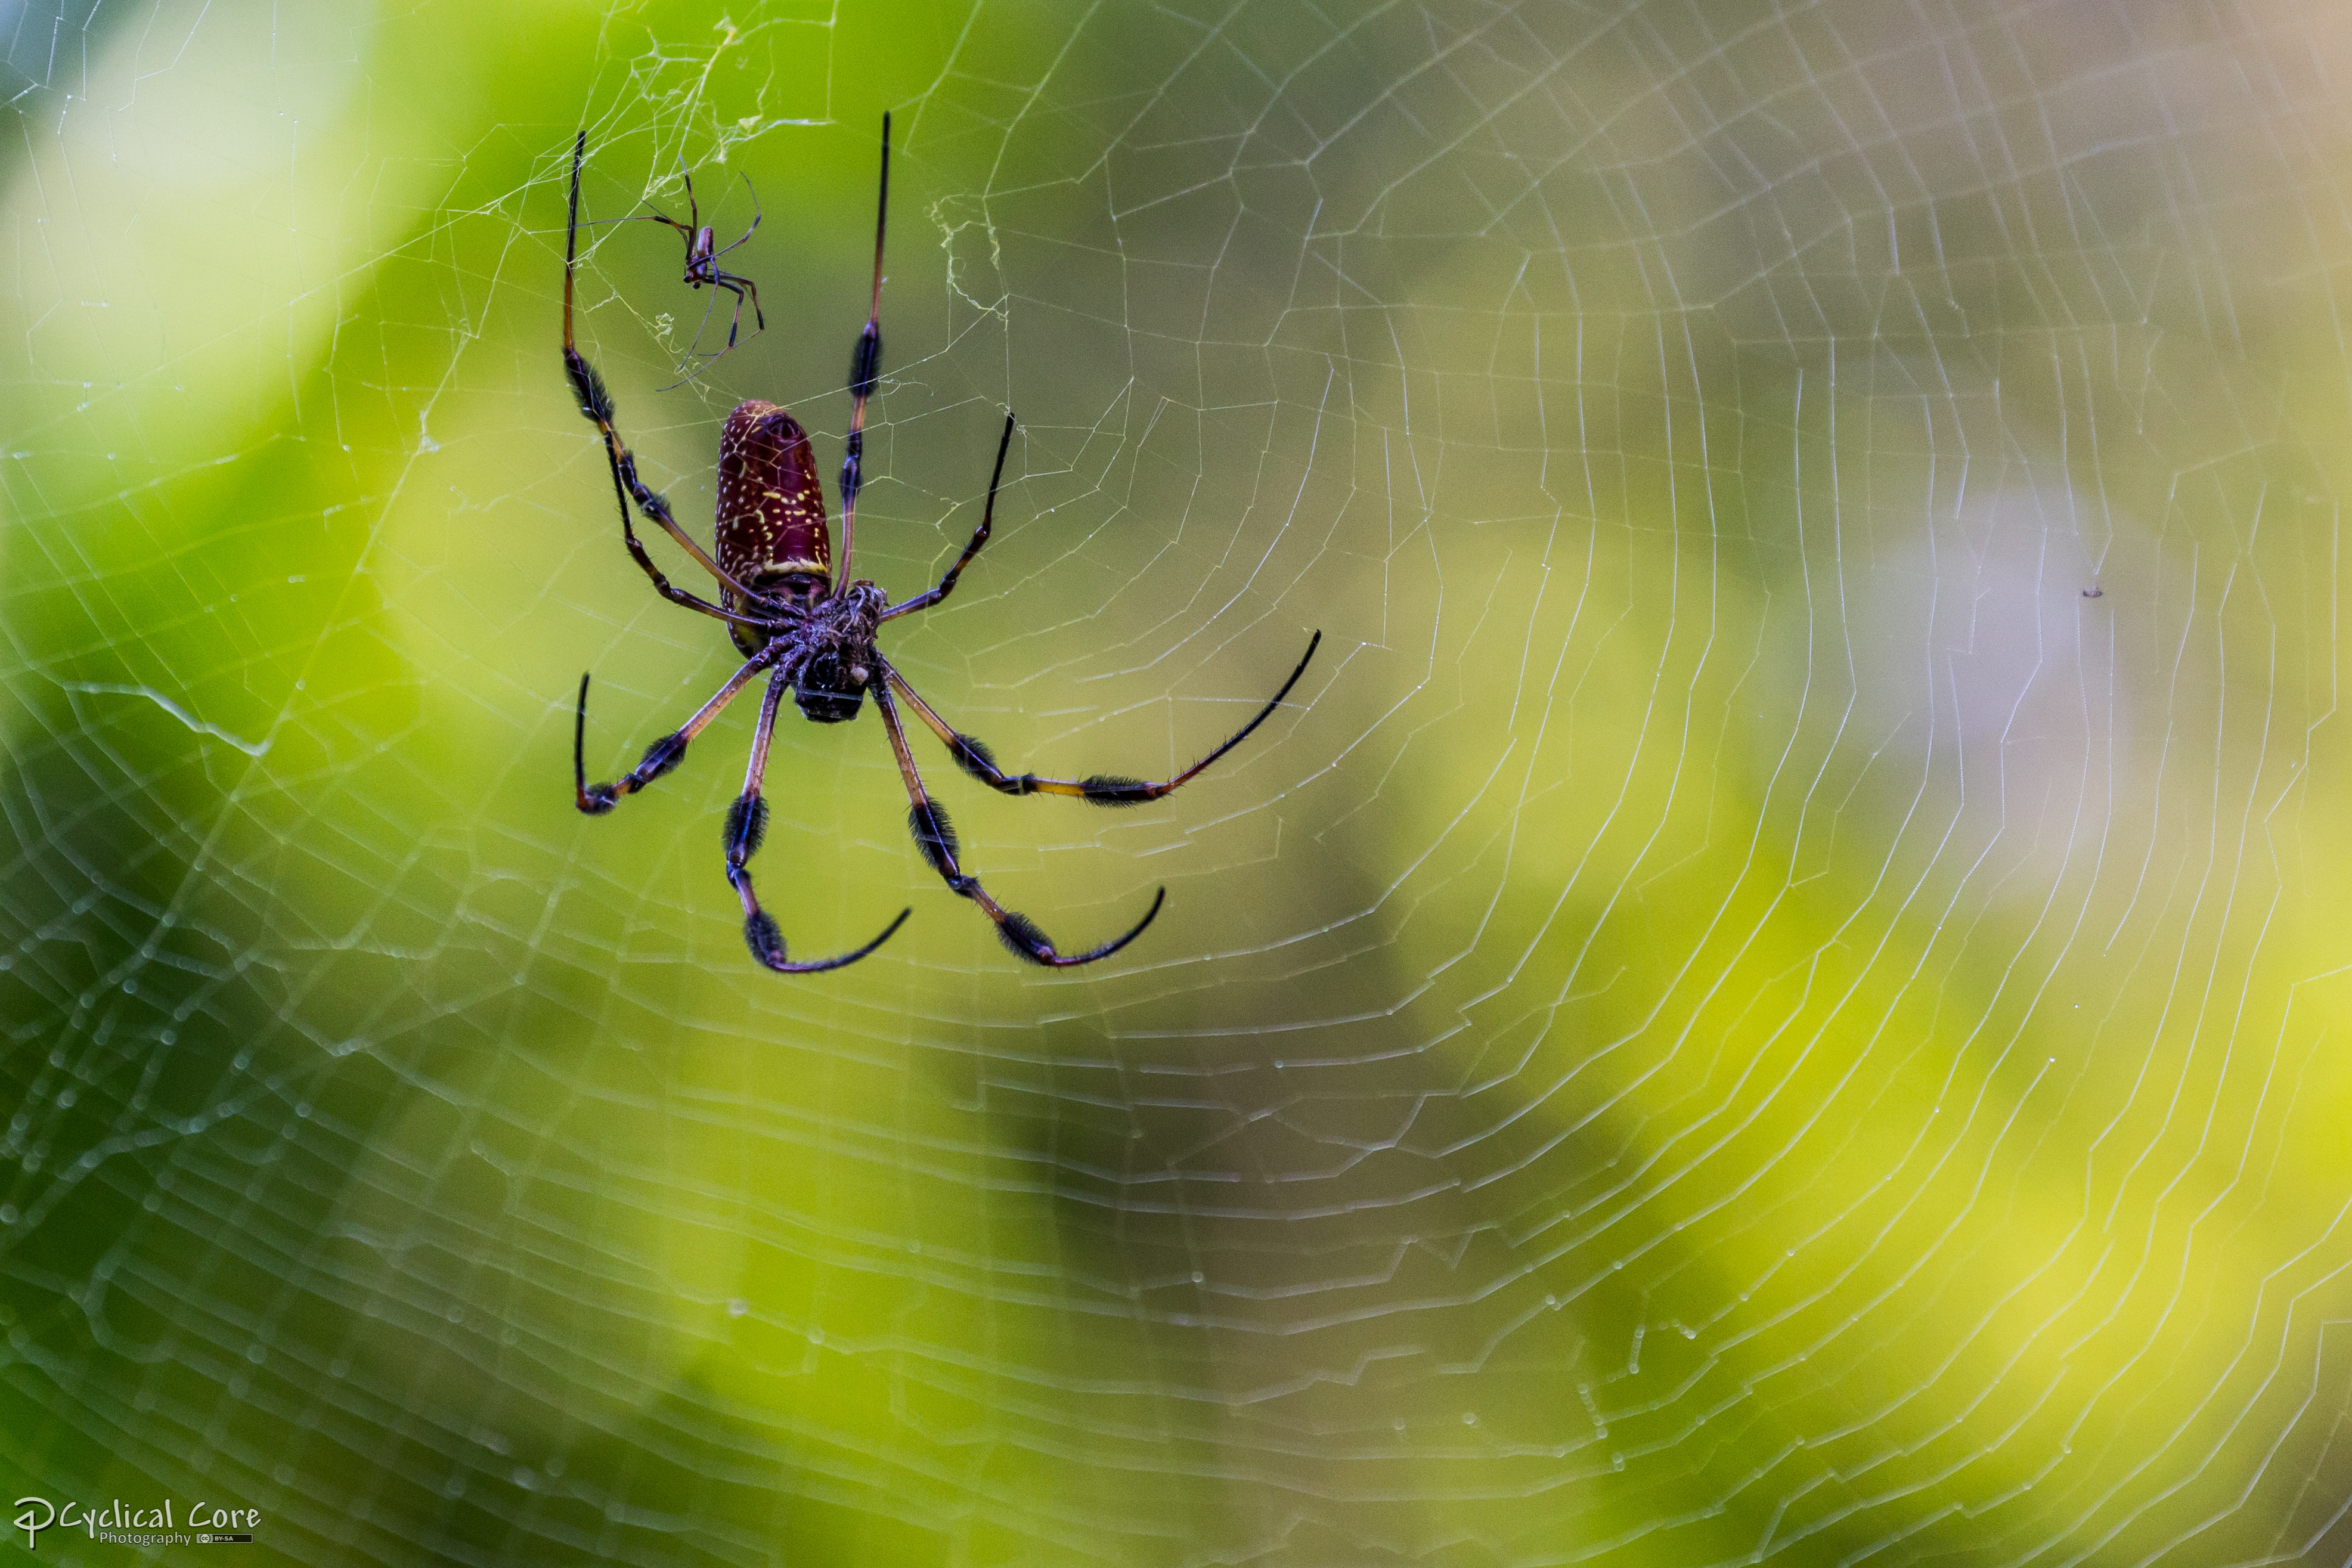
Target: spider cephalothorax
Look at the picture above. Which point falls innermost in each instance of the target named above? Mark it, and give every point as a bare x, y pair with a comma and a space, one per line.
834, 649
794, 628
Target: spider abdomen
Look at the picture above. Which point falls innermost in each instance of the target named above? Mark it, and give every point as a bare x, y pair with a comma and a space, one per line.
772, 526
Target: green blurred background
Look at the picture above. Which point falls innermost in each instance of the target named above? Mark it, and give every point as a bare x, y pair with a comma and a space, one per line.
1772, 997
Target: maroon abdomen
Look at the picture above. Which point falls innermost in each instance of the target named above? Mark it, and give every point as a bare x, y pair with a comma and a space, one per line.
770, 510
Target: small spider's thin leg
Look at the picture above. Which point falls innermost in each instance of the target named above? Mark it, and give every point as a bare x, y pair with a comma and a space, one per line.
738, 287
936, 837
686, 365
596, 404
647, 218
735, 286
746, 823
978, 536
662, 754
746, 233
865, 367
1103, 789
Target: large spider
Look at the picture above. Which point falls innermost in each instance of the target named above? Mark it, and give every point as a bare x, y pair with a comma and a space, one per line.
779, 597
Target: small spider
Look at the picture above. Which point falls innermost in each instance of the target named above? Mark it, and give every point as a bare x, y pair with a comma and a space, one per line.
702, 253
808, 633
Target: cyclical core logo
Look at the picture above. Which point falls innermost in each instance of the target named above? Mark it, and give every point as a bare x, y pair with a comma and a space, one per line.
117, 1523
34, 1515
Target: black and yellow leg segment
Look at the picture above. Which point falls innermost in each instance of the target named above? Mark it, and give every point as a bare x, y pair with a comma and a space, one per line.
747, 825
660, 757
936, 837
1103, 789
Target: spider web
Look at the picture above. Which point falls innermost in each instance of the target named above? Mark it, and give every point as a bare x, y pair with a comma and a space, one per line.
1766, 1000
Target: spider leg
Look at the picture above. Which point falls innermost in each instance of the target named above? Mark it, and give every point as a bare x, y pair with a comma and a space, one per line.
596, 404
746, 233
1103, 789
685, 366
741, 285
934, 837
746, 823
660, 757
865, 367
930, 596
644, 217
736, 285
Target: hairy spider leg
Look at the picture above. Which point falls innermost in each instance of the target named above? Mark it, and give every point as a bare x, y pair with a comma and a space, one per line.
930, 596
747, 825
662, 754
865, 367
936, 837
1103, 789
596, 404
